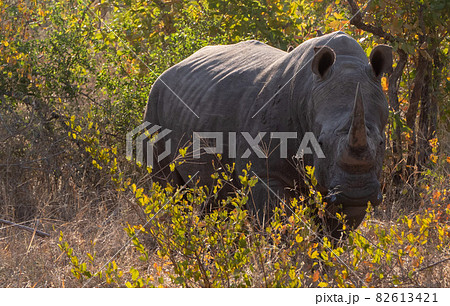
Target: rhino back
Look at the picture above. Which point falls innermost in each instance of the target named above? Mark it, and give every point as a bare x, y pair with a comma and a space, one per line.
217, 83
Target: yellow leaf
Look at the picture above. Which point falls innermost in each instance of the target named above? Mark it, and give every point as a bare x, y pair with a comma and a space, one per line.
139, 193
335, 24
299, 238
433, 142
337, 16
322, 284
344, 274
384, 83
433, 158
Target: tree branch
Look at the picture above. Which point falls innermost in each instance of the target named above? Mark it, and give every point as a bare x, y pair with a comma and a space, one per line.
356, 20
27, 228
433, 264
394, 77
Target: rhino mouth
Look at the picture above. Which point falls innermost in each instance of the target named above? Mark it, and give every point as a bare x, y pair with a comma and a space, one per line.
354, 209
334, 227
348, 201
353, 204
357, 197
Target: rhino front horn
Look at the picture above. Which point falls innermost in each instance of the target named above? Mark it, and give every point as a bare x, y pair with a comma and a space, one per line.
357, 139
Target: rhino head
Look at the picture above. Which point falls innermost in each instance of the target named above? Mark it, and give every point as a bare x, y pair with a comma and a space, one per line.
349, 115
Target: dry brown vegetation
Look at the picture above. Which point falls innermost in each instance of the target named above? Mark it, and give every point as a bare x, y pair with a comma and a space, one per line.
70, 90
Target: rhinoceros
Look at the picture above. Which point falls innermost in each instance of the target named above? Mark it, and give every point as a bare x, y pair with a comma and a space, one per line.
326, 87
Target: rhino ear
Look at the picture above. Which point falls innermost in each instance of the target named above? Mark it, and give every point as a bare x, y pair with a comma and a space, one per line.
381, 59
323, 60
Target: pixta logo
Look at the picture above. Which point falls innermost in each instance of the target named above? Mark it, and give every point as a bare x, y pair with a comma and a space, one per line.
145, 135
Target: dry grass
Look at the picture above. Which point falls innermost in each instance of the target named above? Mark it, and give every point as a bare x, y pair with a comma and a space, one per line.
27, 260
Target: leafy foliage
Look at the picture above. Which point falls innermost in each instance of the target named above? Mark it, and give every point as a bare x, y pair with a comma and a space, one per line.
74, 78
225, 249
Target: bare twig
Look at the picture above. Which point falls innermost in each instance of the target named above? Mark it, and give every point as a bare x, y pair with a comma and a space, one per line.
433, 264
27, 228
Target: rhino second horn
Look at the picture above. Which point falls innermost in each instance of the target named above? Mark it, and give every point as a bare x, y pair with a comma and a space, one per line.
357, 139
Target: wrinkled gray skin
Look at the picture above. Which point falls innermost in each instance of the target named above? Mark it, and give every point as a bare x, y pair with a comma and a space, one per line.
227, 85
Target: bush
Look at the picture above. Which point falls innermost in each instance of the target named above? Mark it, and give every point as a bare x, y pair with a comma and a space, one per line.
225, 249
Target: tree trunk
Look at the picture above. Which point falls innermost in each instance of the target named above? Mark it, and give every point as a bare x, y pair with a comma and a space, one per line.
429, 109
394, 80
411, 114
423, 131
